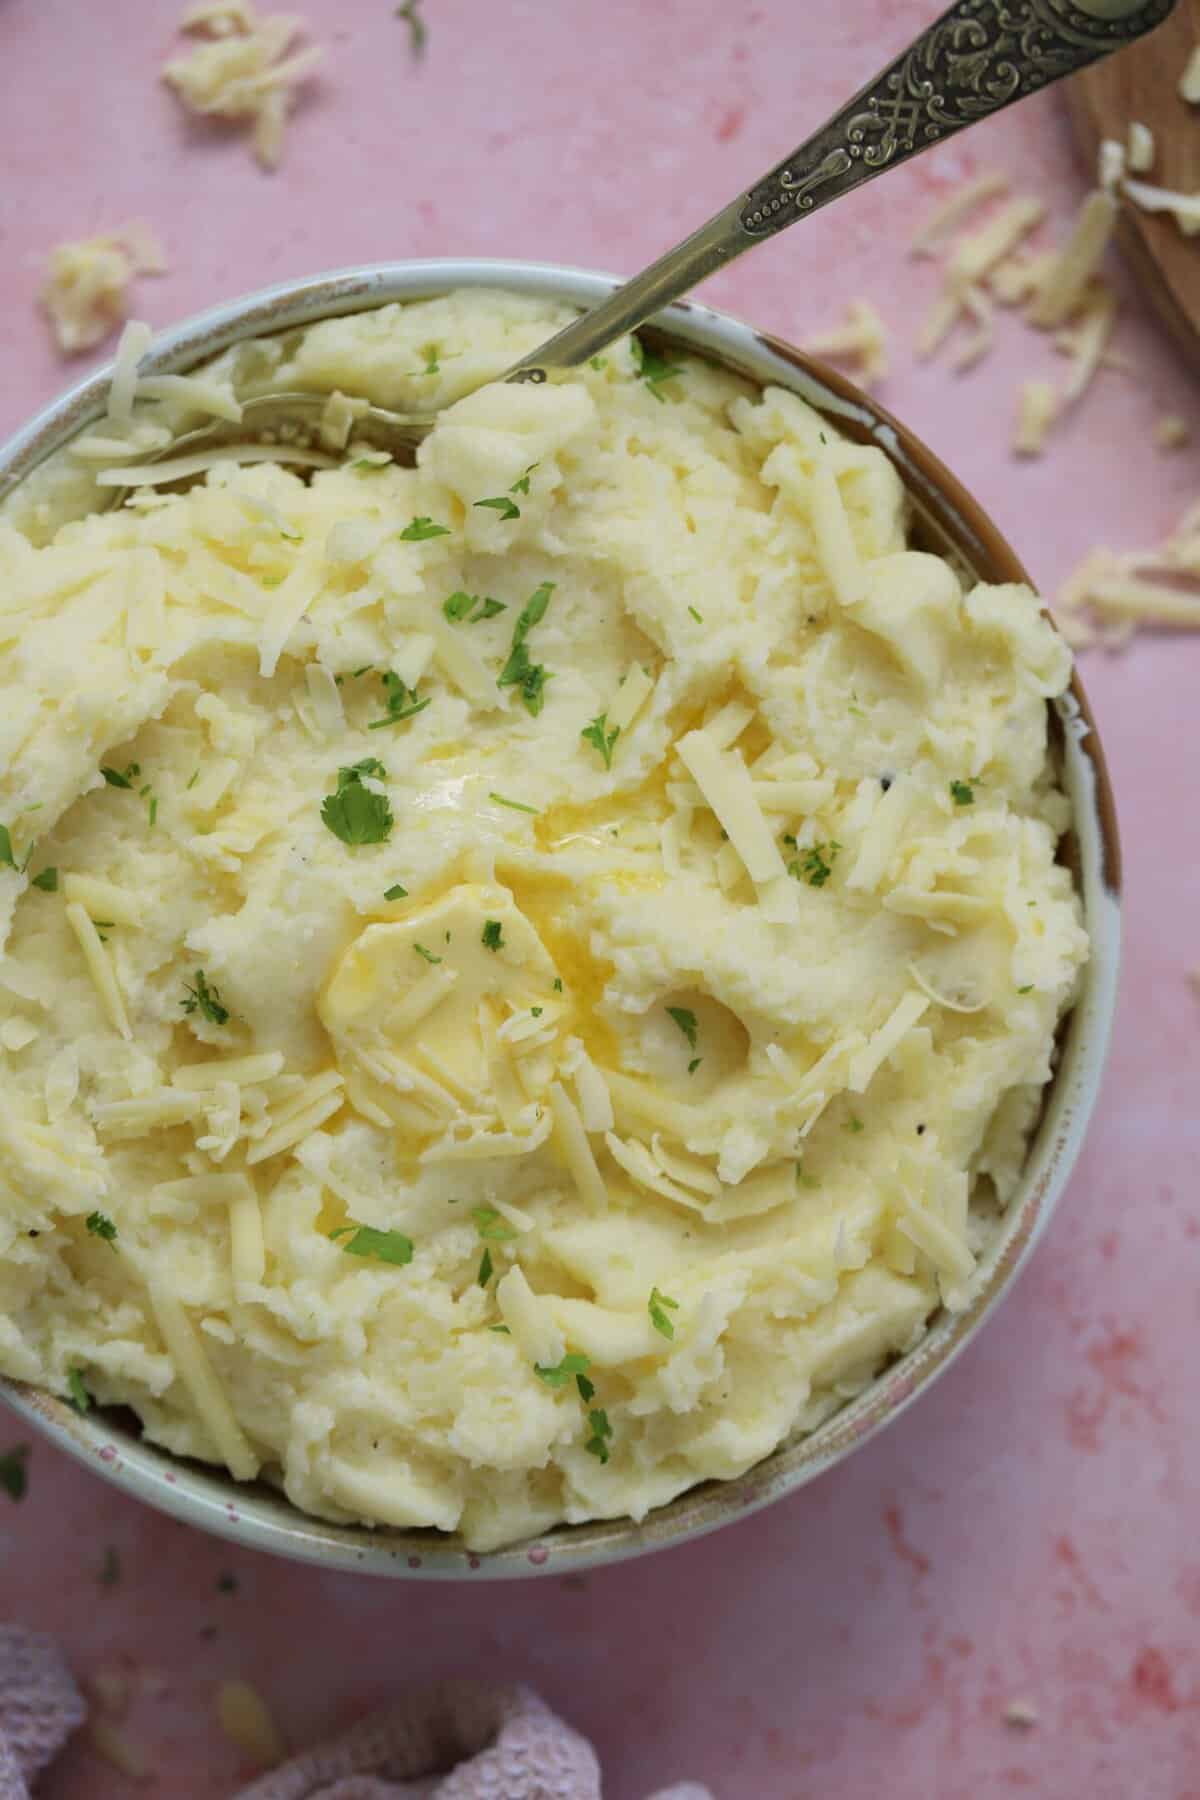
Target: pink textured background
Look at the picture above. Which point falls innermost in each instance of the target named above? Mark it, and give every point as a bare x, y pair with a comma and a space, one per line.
1030, 1529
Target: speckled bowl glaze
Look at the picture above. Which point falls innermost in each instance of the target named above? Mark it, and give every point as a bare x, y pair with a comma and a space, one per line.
946, 520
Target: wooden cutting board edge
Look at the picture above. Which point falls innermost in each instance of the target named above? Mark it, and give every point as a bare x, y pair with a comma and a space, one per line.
1140, 83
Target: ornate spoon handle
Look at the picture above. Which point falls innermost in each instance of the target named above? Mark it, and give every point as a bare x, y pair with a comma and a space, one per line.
978, 57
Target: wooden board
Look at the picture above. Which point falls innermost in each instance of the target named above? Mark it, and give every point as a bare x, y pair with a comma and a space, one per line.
1142, 83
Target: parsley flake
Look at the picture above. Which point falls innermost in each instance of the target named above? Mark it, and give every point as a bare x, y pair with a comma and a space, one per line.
81, 1400
384, 1246
101, 1226
356, 813
421, 528
854, 1124
597, 1444
686, 1021
557, 1376
418, 32
427, 954
485, 1268
816, 865
516, 805
500, 503
401, 702
7, 859
395, 892
110, 1569
694, 1064
116, 779
597, 362
47, 881
962, 793
530, 678
1028, 989
521, 484
603, 740
535, 1012
491, 1225
695, 615
503, 1329
14, 1477
652, 368
206, 1000
657, 1306
191, 784
492, 938
558, 986
458, 605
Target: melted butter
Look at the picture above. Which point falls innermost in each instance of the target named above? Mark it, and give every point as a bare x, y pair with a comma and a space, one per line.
545, 898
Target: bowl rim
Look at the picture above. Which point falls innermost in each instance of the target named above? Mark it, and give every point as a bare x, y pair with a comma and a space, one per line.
262, 1518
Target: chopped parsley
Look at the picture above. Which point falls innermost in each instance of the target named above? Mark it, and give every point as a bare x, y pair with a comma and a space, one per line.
557, 1376
652, 368
1028, 989
558, 986
517, 805
418, 31
658, 1306
491, 1225
395, 892
530, 678
597, 362
686, 1021
471, 607
153, 810
7, 859
962, 793
101, 1226
116, 779
401, 702
384, 1246
694, 1064
816, 865
602, 739
81, 1400
521, 484
110, 1569
500, 503
432, 365
695, 615
501, 1328
854, 1124
536, 1012
427, 954
191, 784
421, 528
806, 1181
14, 1478
47, 881
356, 813
103, 927
586, 1388
492, 938
597, 1444
485, 1268
205, 1000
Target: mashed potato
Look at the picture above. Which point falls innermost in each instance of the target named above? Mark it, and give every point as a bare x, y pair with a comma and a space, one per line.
526, 979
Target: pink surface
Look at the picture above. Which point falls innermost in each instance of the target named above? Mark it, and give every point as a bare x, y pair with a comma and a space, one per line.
1028, 1531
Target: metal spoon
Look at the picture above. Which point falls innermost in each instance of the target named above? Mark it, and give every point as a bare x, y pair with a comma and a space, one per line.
978, 57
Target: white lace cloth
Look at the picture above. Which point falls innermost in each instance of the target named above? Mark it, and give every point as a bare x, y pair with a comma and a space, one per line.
457, 1741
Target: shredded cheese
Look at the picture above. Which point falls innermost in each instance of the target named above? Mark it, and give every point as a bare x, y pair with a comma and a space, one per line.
1140, 148
103, 899
248, 1254
195, 1371
1037, 411
837, 551
100, 968
861, 339
1185, 207
1065, 282
135, 341
1189, 81
729, 792
243, 72
86, 291
246, 1721
572, 1141
954, 209
629, 698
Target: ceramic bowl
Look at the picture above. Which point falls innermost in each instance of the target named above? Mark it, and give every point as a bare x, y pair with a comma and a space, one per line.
947, 520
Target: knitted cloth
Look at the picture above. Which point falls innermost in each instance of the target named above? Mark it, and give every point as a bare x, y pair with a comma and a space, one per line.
457, 1741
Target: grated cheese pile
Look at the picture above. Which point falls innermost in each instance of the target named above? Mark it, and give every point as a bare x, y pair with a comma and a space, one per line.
1061, 291
245, 70
861, 340
524, 979
86, 291
1111, 593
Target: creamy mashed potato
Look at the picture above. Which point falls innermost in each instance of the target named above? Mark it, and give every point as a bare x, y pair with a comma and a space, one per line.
526, 979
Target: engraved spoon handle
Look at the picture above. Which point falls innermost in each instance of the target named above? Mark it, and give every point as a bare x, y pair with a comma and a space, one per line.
978, 57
